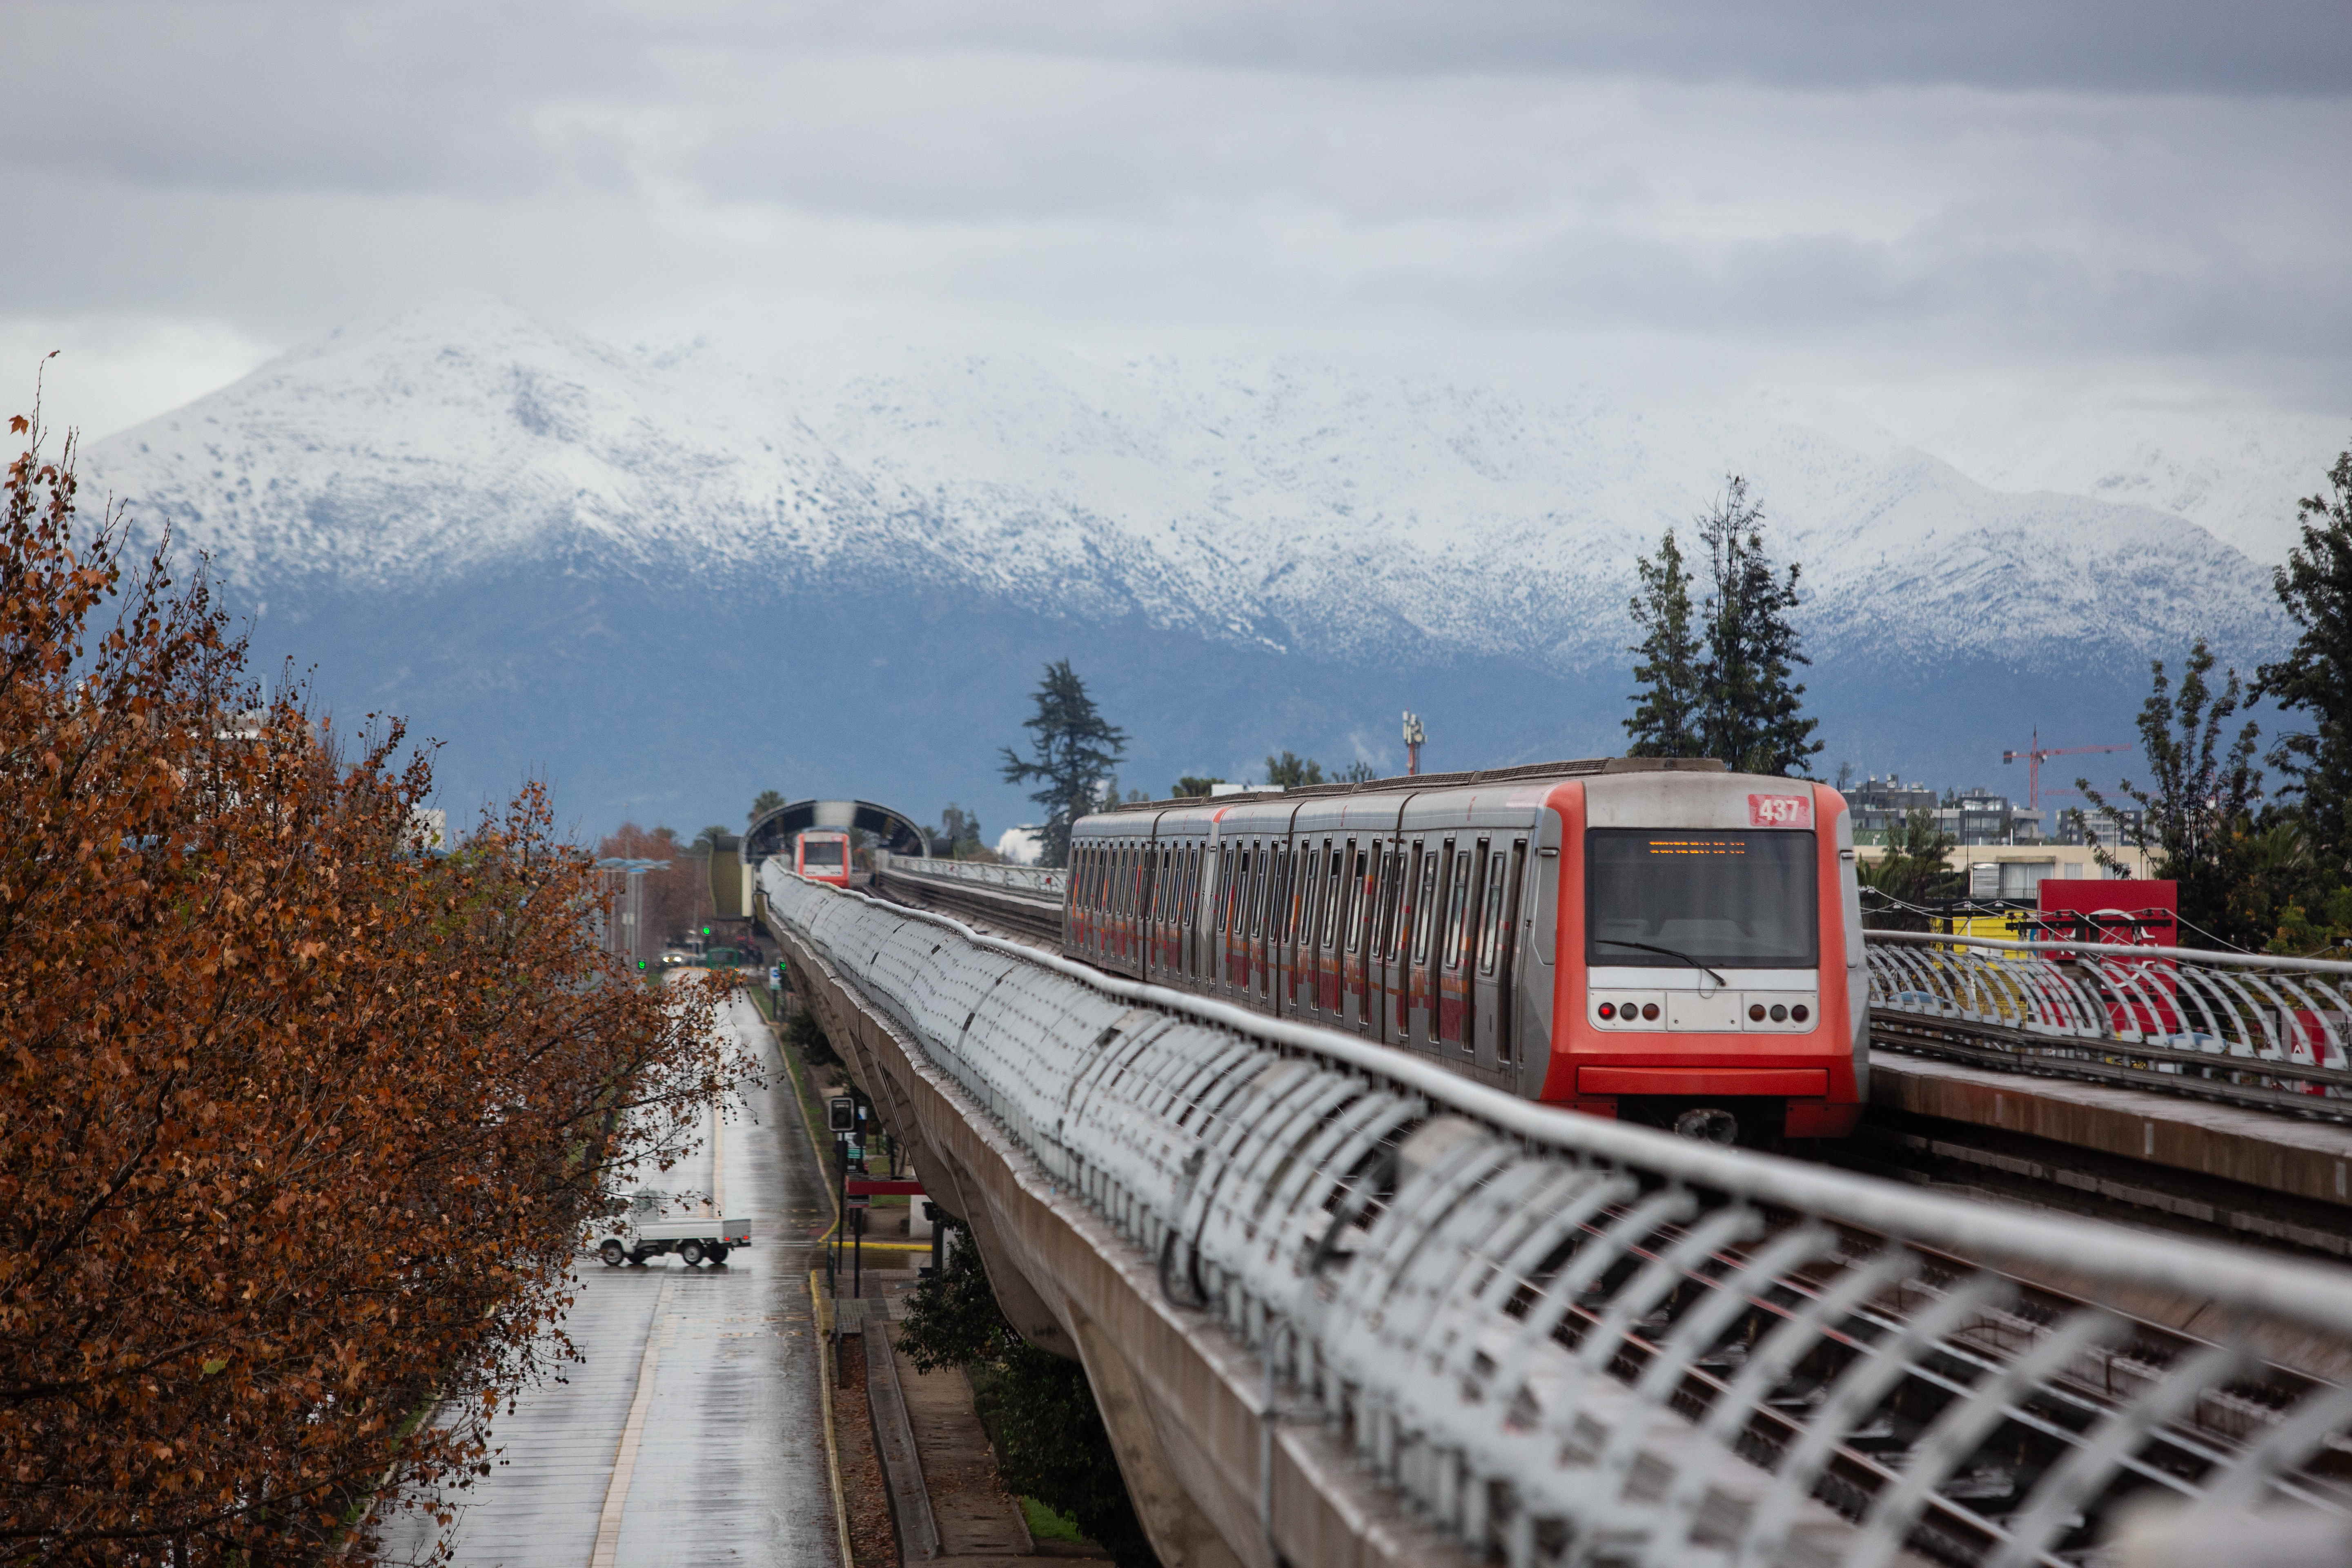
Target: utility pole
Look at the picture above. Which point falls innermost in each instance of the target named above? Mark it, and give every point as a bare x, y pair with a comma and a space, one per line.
2033, 753
1414, 735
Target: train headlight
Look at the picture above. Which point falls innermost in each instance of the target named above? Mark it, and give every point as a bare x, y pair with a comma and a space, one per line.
1756, 1013
1649, 1009
1609, 1009
1778, 1013
1800, 1012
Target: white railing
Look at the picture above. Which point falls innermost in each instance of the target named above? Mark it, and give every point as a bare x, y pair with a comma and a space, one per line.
1029, 881
1564, 1340
2283, 1025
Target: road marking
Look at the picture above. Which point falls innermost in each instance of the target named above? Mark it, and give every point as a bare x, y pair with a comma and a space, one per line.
625, 1461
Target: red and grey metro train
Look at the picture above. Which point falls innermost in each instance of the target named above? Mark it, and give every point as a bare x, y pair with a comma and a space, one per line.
1655, 939
822, 854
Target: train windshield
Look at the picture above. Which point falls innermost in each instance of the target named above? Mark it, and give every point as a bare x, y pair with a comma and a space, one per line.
823, 854
1663, 897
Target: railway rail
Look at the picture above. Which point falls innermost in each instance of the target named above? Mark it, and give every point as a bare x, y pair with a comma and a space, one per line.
2247, 1029
1575, 1341
2251, 1030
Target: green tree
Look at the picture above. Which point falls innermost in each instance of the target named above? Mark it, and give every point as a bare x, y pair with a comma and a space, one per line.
2315, 677
1076, 750
1914, 870
766, 801
2198, 810
1753, 714
712, 837
1040, 1412
959, 830
1668, 700
1191, 786
1358, 771
1291, 771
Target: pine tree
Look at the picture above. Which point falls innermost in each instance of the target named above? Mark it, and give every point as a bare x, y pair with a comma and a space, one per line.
2315, 677
1075, 749
1667, 700
1291, 771
2198, 810
1754, 716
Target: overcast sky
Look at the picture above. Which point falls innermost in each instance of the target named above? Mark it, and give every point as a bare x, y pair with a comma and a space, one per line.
2026, 188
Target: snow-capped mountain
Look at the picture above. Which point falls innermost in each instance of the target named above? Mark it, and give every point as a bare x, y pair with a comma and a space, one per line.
1291, 522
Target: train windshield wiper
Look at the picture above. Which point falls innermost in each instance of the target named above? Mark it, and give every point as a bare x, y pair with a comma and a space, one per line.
1668, 951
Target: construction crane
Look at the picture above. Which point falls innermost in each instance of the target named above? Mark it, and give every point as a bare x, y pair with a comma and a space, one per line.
2033, 753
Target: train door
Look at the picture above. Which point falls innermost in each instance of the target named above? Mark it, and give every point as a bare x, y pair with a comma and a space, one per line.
1306, 894
1396, 1026
1239, 969
1363, 903
1212, 889
1254, 921
1189, 960
1455, 1020
1229, 913
1220, 897
1163, 899
1498, 905
1281, 925
1429, 913
1330, 874
1130, 895
1379, 963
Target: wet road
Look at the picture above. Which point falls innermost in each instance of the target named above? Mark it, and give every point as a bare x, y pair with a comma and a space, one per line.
692, 1433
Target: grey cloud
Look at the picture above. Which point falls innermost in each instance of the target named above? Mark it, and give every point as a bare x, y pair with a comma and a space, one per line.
2120, 46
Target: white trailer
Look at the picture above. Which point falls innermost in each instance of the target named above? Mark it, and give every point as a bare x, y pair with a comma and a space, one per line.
646, 1231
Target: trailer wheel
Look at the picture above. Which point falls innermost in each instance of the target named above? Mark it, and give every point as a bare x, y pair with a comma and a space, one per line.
613, 1253
691, 1251
718, 1252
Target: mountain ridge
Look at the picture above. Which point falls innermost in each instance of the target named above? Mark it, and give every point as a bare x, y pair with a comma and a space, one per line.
1293, 511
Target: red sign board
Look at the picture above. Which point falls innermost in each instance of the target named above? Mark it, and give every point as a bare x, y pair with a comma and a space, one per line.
1780, 811
2140, 994
2130, 913
860, 1186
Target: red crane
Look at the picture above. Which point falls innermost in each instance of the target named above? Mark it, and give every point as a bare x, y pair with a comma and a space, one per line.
2033, 753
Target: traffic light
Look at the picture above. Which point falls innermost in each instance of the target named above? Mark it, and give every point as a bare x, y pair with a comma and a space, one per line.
841, 1114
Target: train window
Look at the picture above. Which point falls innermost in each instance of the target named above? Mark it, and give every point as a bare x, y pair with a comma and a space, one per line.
1258, 860
1408, 878
1384, 929
1292, 882
1490, 931
1191, 884
1361, 901
1457, 909
1326, 930
1310, 895
1287, 912
1667, 898
1429, 914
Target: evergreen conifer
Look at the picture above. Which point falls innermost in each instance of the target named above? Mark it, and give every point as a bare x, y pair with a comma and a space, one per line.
1076, 750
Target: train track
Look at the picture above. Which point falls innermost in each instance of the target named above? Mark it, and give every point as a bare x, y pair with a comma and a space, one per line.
1029, 919
1971, 1414
2283, 1087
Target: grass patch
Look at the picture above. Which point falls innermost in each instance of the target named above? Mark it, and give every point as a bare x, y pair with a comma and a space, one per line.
1045, 1524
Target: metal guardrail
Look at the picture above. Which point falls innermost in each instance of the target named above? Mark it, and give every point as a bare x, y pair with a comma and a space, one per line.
1568, 1341
2249, 1028
1030, 882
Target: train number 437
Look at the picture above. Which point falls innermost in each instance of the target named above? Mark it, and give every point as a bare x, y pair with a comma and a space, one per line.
1780, 811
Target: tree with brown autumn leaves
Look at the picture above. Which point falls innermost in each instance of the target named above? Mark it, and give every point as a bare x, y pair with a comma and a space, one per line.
300, 1124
